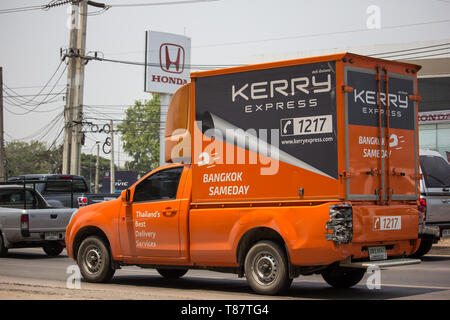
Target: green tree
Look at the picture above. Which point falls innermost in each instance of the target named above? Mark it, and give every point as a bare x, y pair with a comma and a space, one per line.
140, 134
88, 162
31, 157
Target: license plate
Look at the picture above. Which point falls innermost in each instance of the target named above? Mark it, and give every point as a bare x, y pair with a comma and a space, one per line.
377, 253
387, 223
52, 236
446, 233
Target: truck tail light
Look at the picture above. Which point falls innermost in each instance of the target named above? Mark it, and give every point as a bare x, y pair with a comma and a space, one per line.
82, 201
24, 221
422, 210
25, 225
340, 226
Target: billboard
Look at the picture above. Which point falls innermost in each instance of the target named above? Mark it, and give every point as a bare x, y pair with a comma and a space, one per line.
266, 134
167, 61
123, 180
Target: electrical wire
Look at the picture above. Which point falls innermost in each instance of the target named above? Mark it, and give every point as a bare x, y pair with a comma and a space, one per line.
412, 49
429, 55
414, 53
187, 66
21, 9
44, 87
46, 100
158, 3
312, 35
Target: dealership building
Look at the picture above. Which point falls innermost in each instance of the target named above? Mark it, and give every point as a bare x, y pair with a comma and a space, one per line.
434, 108
433, 82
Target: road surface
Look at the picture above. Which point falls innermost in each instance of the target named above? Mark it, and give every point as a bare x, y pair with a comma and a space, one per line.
30, 274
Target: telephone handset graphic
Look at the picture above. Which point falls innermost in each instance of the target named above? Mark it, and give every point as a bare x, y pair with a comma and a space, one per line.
286, 124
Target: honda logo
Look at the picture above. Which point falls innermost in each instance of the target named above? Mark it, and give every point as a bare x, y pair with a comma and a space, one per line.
171, 58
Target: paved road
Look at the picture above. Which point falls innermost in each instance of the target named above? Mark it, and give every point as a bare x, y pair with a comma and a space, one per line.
30, 274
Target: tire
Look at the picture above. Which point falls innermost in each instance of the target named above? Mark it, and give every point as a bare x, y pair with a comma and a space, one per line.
3, 249
53, 249
94, 260
343, 278
266, 268
424, 248
172, 273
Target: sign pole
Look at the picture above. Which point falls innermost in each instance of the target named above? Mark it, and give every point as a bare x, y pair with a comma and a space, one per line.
164, 108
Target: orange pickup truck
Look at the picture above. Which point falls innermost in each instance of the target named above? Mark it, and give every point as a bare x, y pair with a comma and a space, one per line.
298, 167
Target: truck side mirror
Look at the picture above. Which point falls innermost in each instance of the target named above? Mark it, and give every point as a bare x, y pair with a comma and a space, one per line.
126, 195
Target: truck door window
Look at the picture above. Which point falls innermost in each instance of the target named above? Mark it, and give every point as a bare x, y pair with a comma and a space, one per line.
162, 185
436, 171
15, 197
64, 186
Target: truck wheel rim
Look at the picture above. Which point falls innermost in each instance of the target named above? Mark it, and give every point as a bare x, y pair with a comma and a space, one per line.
93, 260
265, 269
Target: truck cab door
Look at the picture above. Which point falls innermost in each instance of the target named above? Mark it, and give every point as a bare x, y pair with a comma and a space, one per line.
152, 223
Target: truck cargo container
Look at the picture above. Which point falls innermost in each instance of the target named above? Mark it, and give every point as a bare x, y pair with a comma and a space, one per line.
279, 169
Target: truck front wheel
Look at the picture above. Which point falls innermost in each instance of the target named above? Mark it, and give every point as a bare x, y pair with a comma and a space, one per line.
172, 273
53, 249
266, 268
94, 260
3, 249
339, 277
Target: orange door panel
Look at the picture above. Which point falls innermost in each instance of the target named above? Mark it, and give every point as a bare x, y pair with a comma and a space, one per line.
150, 224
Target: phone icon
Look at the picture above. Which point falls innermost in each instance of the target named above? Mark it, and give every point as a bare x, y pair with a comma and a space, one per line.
287, 127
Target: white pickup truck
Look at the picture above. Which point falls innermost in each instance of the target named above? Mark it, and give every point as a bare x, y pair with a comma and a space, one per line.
434, 199
27, 220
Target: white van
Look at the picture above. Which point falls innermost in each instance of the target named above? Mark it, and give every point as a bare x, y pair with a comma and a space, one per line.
434, 199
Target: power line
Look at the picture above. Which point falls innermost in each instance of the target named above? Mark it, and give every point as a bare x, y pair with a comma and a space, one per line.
312, 35
51, 4
412, 49
187, 66
21, 9
428, 55
158, 3
415, 53
46, 99
104, 7
30, 95
32, 87
43, 87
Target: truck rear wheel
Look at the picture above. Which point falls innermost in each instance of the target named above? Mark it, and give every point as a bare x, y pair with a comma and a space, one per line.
172, 273
424, 248
266, 268
339, 277
3, 249
94, 260
53, 249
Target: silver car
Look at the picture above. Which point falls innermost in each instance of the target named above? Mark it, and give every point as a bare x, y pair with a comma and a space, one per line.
434, 199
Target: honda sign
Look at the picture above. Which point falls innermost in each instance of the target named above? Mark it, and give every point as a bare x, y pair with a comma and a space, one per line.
167, 58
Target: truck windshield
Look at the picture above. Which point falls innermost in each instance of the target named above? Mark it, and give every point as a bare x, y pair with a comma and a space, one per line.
64, 186
436, 171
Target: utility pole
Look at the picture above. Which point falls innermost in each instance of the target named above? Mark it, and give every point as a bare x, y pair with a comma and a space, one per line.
113, 171
97, 168
165, 100
77, 135
75, 85
2, 138
74, 23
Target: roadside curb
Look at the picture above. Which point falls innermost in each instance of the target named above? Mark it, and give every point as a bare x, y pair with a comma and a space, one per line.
440, 250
